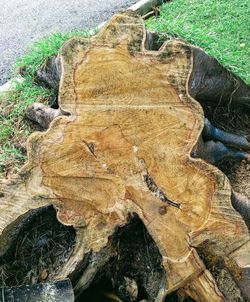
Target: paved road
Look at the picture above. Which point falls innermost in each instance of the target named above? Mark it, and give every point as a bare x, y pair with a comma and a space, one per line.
24, 21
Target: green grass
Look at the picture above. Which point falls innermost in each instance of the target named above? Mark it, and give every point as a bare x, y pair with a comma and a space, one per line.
45, 48
220, 27
14, 128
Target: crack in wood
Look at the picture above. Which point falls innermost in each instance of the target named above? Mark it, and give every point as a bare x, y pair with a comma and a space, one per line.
158, 192
90, 147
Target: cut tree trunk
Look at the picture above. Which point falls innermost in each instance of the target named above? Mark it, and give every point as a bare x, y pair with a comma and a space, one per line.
211, 84
120, 162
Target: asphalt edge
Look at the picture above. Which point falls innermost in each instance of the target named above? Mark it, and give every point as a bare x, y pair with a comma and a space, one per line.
142, 7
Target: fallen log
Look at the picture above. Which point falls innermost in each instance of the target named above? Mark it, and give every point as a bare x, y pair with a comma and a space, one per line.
120, 164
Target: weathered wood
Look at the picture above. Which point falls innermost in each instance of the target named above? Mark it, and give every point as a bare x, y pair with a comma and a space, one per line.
125, 148
42, 114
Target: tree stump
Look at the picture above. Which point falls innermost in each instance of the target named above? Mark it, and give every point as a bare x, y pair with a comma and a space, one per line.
125, 150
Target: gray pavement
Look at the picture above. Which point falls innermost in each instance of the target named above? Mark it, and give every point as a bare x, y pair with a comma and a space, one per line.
22, 22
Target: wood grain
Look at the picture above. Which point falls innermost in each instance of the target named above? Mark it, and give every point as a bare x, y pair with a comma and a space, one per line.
131, 117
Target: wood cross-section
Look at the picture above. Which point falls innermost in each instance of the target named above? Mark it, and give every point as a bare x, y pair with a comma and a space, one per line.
125, 148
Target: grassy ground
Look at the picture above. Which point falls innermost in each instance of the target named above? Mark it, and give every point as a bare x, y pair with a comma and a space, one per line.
14, 128
221, 27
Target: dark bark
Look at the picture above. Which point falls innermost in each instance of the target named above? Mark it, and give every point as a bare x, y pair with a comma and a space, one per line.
242, 205
153, 41
49, 73
211, 82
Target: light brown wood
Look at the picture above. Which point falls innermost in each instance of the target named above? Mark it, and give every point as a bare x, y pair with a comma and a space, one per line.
131, 120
